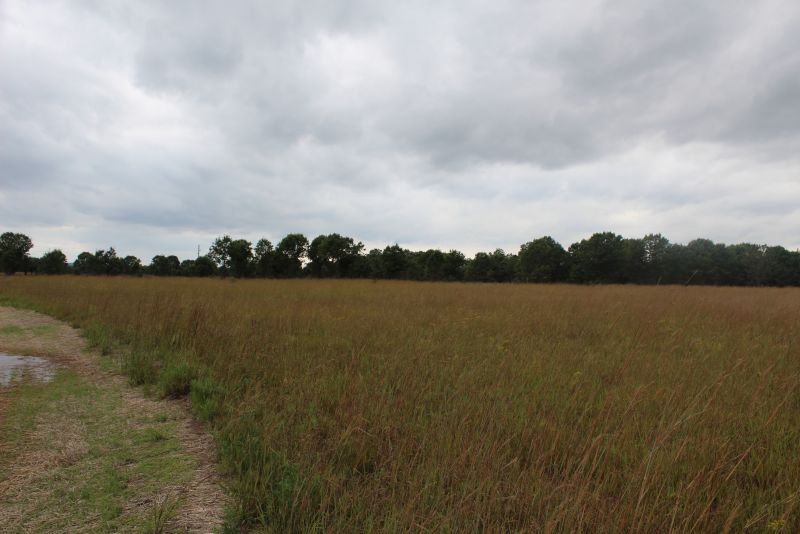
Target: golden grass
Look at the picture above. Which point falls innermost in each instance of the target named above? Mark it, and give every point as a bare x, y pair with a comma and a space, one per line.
396, 406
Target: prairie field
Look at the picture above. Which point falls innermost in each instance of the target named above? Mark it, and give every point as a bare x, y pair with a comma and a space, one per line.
358, 406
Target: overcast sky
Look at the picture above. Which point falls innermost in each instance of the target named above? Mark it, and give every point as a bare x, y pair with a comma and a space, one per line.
156, 126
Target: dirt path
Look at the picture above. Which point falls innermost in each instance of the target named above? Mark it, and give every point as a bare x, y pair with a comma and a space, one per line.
88, 453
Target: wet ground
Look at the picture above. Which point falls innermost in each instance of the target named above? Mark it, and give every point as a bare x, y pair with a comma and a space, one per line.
13, 368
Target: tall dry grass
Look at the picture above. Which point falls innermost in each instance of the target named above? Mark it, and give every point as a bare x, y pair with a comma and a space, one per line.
391, 406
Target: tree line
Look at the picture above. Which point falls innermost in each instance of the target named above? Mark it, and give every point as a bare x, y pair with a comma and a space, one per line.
603, 258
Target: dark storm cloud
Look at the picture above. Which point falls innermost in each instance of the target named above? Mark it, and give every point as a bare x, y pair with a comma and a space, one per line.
467, 124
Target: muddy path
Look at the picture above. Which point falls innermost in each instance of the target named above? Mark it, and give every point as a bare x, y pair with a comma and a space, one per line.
88, 453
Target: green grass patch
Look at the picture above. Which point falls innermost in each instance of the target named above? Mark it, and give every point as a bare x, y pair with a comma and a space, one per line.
141, 367
160, 515
10, 330
40, 330
96, 459
154, 435
175, 380
206, 398
44, 330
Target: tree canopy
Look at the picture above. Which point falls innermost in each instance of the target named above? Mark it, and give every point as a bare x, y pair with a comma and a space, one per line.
14, 250
601, 258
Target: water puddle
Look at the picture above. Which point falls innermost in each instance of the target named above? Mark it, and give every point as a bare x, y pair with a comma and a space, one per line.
17, 367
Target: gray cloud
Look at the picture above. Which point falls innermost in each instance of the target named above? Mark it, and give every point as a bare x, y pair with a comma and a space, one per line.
153, 126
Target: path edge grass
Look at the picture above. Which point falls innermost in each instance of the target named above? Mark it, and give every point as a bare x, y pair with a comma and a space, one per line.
161, 375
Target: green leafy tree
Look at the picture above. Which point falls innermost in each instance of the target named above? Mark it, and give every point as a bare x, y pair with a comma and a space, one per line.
187, 268
333, 255
132, 265
374, 264
162, 265
542, 260
748, 264
264, 258
290, 253
85, 263
14, 250
31, 265
496, 266
108, 262
453, 266
656, 255
241, 254
53, 262
431, 265
634, 264
414, 265
598, 260
220, 253
102, 262
395, 262
781, 267
204, 266
708, 263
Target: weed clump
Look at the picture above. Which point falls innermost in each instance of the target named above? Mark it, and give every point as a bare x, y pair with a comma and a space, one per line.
140, 367
205, 397
175, 380
268, 486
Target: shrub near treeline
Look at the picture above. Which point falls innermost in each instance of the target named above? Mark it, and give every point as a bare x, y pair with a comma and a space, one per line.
602, 258
353, 406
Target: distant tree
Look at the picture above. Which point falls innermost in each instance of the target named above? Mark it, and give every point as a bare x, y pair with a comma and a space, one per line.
241, 253
131, 265
264, 258
14, 250
598, 260
53, 262
453, 266
30, 265
479, 268
204, 266
416, 265
634, 261
290, 253
656, 249
394, 262
187, 268
220, 253
708, 263
102, 262
496, 266
781, 267
361, 267
333, 255
164, 265
373, 263
602, 258
317, 259
108, 262
431, 265
700, 261
542, 260
747, 264
85, 263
